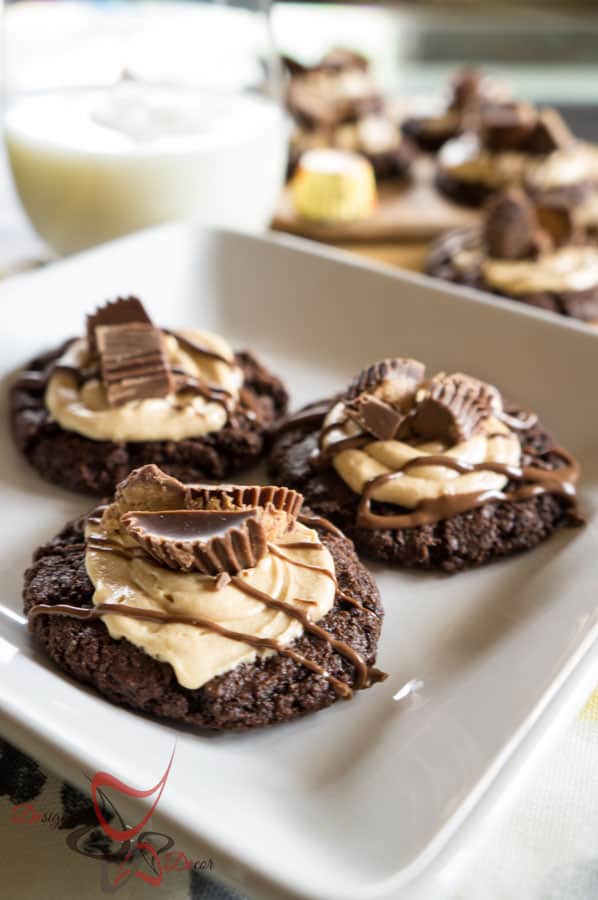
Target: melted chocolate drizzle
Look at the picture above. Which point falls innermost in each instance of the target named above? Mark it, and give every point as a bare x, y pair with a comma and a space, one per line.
541, 481
148, 615
194, 347
33, 379
319, 522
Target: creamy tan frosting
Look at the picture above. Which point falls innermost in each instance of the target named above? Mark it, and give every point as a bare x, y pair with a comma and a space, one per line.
85, 410
573, 268
568, 269
463, 158
196, 654
494, 443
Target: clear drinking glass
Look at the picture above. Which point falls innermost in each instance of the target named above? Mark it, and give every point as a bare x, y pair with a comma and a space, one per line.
123, 115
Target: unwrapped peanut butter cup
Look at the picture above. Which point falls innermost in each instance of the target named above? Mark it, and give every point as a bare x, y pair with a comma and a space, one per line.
133, 362
375, 417
379, 398
392, 380
208, 529
115, 312
454, 408
516, 227
510, 225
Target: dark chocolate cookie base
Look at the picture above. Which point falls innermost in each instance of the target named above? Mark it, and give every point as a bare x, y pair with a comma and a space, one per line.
80, 464
271, 690
468, 539
582, 305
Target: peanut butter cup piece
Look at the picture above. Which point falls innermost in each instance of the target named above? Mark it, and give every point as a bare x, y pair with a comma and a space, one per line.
375, 417
133, 362
149, 488
466, 89
393, 380
453, 409
280, 502
208, 529
549, 133
507, 126
510, 225
115, 312
207, 541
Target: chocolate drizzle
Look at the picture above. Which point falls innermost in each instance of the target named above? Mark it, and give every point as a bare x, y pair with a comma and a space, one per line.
302, 565
321, 457
147, 615
194, 347
319, 522
365, 676
185, 383
541, 481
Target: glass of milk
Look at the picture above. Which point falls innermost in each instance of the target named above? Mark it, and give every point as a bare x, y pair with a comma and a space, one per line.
122, 116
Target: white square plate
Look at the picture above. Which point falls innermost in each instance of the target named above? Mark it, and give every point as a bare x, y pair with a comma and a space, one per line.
371, 798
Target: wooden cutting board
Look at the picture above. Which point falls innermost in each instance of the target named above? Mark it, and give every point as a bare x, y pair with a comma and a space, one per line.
413, 212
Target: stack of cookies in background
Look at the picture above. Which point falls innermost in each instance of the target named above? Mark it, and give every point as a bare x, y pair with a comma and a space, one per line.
363, 170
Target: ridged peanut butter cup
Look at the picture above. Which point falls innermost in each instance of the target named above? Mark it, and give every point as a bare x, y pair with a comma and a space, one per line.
379, 398
454, 408
208, 529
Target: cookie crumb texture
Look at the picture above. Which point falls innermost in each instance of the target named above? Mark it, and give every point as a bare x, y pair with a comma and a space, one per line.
96, 467
270, 690
468, 539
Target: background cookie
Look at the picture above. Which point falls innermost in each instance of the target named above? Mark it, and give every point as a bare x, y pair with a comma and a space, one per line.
95, 467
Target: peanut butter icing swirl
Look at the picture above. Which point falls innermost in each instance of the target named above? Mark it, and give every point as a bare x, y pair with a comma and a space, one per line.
207, 386
573, 268
300, 578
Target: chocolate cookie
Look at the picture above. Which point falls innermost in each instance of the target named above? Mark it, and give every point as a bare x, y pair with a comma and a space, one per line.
515, 145
94, 464
310, 673
469, 92
525, 252
449, 533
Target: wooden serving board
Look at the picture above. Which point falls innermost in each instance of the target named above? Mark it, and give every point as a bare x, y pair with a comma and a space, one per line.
412, 212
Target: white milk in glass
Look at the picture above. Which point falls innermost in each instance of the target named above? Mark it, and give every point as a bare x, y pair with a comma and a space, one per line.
94, 164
